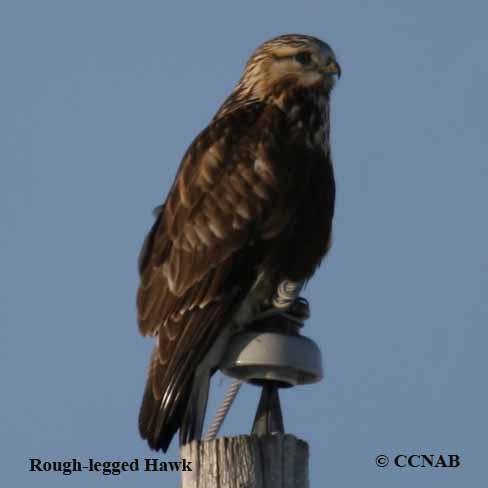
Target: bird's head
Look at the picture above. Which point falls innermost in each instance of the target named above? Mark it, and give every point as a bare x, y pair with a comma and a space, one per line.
290, 62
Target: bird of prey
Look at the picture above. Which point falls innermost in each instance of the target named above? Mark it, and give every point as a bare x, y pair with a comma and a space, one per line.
249, 214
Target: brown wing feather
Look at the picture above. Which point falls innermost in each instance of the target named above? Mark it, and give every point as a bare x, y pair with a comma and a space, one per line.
198, 262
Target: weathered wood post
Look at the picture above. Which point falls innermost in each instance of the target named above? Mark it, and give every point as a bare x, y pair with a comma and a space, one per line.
271, 354
273, 461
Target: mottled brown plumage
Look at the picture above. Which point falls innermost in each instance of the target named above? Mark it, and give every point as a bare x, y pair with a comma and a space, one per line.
251, 205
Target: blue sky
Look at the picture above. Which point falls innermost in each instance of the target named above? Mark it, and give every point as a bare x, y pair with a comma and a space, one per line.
99, 100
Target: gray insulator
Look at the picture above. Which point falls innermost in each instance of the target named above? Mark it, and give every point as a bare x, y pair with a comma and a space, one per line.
288, 359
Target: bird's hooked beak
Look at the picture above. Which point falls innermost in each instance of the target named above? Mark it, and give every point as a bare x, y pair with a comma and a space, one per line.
332, 68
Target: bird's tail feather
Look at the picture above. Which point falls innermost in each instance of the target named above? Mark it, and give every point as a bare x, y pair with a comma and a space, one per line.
150, 413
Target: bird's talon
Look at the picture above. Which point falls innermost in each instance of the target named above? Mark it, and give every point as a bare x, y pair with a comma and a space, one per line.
298, 311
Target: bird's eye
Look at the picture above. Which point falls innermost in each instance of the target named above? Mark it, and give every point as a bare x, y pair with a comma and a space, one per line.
303, 58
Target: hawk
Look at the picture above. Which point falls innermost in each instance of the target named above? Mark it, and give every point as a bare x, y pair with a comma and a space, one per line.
250, 210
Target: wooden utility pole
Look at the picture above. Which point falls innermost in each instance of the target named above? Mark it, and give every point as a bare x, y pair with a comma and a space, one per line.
272, 461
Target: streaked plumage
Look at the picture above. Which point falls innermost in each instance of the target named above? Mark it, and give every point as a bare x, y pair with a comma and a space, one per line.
251, 205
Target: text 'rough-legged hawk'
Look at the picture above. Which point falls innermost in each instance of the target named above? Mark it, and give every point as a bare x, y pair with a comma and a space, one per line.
251, 207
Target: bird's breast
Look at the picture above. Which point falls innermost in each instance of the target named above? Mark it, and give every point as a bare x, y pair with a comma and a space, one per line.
308, 115
309, 205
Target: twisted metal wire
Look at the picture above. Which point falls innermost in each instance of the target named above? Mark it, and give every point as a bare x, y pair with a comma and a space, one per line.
219, 418
286, 293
